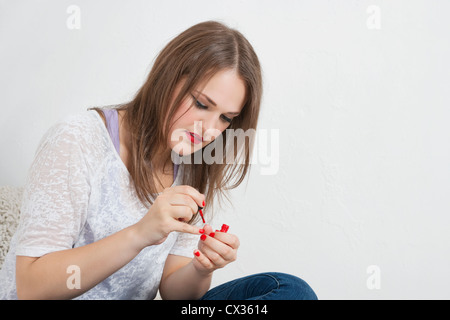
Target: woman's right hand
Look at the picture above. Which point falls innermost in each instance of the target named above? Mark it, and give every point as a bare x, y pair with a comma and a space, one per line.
170, 211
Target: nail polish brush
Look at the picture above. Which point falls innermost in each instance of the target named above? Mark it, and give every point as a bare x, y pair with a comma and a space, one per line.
201, 213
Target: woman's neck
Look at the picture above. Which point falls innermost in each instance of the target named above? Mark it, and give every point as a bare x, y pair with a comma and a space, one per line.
162, 163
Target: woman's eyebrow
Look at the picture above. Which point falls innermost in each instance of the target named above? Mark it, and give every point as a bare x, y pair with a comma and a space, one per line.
215, 104
209, 99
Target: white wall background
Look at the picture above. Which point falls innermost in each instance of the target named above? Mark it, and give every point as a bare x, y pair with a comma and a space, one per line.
357, 89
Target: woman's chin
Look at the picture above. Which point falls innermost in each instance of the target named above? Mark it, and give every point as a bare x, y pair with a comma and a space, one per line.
184, 149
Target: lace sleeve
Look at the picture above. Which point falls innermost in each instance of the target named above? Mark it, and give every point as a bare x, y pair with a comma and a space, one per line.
185, 244
56, 195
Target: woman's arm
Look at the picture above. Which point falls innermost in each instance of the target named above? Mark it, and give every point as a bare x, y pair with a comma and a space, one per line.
46, 277
181, 281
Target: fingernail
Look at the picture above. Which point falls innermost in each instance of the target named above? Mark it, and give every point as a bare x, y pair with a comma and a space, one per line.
224, 228
203, 204
203, 237
212, 234
201, 231
197, 253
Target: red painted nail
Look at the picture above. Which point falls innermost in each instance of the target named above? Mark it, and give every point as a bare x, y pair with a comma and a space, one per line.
201, 231
203, 237
197, 253
203, 203
212, 234
224, 228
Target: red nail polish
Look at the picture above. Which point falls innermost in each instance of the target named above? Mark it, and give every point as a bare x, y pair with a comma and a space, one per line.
203, 237
224, 228
201, 231
197, 253
212, 234
203, 203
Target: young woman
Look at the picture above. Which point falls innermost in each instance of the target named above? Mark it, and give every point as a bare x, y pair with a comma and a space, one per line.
106, 213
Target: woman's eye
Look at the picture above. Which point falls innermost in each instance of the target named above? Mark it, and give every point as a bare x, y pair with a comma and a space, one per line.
226, 119
199, 105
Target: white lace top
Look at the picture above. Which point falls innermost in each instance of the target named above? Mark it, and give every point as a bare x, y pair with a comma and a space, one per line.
78, 191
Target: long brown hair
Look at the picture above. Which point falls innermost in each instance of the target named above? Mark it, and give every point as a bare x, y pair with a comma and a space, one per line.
194, 55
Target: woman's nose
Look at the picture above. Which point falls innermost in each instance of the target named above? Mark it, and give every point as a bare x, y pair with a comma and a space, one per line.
210, 128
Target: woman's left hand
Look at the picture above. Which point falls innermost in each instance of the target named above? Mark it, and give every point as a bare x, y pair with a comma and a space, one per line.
215, 250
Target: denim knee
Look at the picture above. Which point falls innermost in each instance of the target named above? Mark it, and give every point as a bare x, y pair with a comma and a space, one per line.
293, 287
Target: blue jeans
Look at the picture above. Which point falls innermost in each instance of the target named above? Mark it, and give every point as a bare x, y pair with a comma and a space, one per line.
263, 286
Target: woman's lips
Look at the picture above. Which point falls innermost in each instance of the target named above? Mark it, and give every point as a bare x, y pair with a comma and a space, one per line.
195, 138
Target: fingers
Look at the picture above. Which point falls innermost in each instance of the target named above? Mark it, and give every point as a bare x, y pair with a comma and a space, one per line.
186, 228
198, 197
219, 247
215, 249
208, 229
180, 199
181, 213
185, 196
204, 262
229, 239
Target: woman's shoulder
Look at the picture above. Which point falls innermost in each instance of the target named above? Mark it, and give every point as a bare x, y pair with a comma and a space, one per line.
81, 130
76, 125
85, 120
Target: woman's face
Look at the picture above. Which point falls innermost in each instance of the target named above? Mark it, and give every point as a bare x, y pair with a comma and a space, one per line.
204, 115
